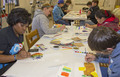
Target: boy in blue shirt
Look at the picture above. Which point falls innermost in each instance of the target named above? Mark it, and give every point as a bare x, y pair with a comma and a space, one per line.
105, 41
58, 13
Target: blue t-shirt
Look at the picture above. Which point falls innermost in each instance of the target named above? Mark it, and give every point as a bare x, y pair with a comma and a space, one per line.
10, 44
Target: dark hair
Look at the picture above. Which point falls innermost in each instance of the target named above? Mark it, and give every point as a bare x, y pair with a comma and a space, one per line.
96, 1
46, 6
19, 15
68, 2
102, 38
89, 3
103, 13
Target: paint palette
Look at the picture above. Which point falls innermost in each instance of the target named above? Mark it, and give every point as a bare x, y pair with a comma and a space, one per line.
37, 55
64, 71
80, 69
57, 25
40, 46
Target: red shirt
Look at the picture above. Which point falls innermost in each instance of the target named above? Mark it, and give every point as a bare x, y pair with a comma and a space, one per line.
111, 22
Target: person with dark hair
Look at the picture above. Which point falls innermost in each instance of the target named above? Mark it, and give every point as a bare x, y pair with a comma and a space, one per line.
65, 7
93, 9
105, 18
41, 22
89, 4
11, 37
58, 13
105, 42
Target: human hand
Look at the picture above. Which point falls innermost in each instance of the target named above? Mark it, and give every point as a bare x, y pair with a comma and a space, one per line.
22, 55
87, 25
90, 57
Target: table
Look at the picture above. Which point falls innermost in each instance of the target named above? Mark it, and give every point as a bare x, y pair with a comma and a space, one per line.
53, 59
74, 15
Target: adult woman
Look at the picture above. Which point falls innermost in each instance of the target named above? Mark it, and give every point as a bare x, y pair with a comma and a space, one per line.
11, 37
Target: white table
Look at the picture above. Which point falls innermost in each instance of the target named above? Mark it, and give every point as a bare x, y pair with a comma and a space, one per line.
53, 59
74, 15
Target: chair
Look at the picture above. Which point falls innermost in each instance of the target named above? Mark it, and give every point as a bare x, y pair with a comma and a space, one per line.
103, 64
29, 28
30, 40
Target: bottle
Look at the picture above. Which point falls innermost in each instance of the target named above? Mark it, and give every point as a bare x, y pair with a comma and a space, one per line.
80, 11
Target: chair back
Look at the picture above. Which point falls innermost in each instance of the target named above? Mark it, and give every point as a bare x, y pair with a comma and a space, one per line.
30, 40
29, 28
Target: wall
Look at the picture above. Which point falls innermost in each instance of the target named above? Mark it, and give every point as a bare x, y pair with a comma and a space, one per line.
103, 4
25, 4
107, 4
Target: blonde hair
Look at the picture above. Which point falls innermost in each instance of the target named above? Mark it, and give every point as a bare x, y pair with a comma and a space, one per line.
46, 6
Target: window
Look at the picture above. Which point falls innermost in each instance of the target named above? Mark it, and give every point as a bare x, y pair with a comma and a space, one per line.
11, 1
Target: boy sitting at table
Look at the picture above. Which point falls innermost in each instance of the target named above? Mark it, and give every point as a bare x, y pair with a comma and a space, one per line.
58, 13
105, 42
65, 7
93, 9
107, 19
91, 14
41, 21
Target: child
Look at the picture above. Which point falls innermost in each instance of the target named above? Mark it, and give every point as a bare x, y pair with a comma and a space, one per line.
105, 41
58, 13
41, 21
105, 18
89, 4
93, 9
65, 7
91, 14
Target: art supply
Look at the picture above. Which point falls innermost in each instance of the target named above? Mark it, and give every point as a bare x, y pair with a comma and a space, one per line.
84, 31
83, 52
57, 25
94, 74
37, 55
40, 46
80, 11
90, 69
67, 47
64, 71
57, 35
85, 76
82, 68
33, 50
75, 48
56, 46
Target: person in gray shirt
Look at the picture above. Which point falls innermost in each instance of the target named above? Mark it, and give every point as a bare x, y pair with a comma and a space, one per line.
41, 22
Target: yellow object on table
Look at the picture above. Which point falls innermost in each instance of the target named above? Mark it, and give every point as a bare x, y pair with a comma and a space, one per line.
94, 74
82, 68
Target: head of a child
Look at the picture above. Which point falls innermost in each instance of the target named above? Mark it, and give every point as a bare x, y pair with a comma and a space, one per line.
103, 40
19, 19
60, 3
95, 3
101, 15
68, 2
89, 4
47, 9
